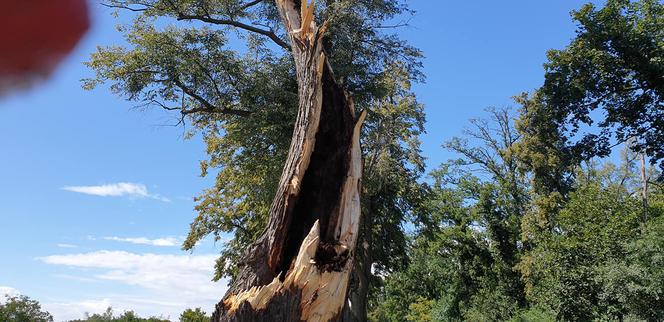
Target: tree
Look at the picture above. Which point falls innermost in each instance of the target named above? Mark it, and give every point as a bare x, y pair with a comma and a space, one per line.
616, 64
180, 66
126, 316
391, 193
596, 260
502, 199
22, 309
544, 155
462, 263
641, 270
590, 230
456, 269
300, 266
196, 315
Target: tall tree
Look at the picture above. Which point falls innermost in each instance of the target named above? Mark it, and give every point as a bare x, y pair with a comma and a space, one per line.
391, 193
463, 261
503, 201
222, 92
602, 90
542, 153
614, 64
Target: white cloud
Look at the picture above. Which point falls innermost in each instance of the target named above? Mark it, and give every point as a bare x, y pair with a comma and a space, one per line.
75, 278
121, 189
71, 310
6, 290
66, 246
65, 311
112, 190
172, 282
167, 242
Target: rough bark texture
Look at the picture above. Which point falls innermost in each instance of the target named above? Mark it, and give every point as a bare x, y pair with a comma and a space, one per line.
299, 269
355, 309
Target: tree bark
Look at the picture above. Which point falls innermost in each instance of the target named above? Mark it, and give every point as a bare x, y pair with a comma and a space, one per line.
299, 269
355, 309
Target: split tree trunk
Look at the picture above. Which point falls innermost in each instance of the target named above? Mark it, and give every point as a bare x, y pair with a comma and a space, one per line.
299, 269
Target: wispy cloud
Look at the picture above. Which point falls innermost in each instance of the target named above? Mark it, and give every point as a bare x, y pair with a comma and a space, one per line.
165, 242
173, 282
75, 278
66, 246
66, 311
72, 310
121, 189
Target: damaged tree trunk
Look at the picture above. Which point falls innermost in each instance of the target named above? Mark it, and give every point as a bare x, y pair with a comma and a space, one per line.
299, 269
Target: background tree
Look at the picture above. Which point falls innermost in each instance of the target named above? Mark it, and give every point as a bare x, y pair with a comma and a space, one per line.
614, 64
196, 315
463, 263
126, 316
641, 271
22, 309
590, 230
391, 194
544, 155
595, 261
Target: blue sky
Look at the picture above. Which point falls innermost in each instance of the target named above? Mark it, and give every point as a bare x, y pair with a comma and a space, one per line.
97, 196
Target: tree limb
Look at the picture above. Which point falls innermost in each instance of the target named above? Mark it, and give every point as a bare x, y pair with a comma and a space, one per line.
268, 33
207, 106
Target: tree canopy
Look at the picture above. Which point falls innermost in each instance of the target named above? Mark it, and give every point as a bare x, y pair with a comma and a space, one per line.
225, 66
22, 309
615, 65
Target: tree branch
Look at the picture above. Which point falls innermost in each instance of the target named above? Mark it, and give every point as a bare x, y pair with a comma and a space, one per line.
207, 106
250, 4
120, 5
268, 33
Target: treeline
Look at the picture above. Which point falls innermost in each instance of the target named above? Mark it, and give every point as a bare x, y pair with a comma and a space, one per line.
24, 309
533, 222
488, 248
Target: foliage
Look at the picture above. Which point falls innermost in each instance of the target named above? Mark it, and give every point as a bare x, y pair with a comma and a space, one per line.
393, 164
590, 230
413, 288
455, 269
636, 284
127, 316
534, 315
22, 309
599, 260
526, 225
196, 315
462, 263
616, 64
543, 153
242, 100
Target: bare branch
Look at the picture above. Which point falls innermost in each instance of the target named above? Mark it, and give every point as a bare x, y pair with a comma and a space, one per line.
250, 4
